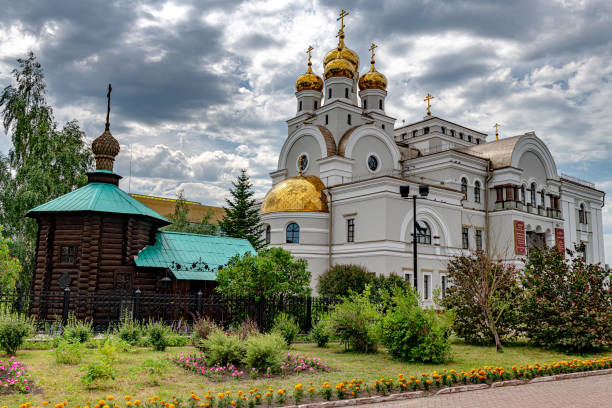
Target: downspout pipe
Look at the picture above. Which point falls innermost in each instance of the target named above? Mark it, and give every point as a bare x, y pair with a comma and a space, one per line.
487, 180
331, 227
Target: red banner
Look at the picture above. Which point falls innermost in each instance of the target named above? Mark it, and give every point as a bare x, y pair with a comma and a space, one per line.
560, 240
519, 238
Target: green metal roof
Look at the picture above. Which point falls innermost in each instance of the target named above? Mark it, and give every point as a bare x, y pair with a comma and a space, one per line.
99, 197
191, 256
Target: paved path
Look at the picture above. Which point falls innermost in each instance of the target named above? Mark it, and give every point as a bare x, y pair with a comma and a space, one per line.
588, 392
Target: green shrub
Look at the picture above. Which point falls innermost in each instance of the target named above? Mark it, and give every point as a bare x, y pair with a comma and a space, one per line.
222, 348
109, 351
178, 340
156, 369
340, 280
384, 286
286, 326
265, 350
97, 372
411, 333
77, 331
158, 335
68, 353
320, 333
353, 322
129, 330
245, 329
14, 329
566, 304
202, 327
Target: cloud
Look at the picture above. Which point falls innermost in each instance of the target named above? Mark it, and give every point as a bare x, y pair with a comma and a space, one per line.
202, 88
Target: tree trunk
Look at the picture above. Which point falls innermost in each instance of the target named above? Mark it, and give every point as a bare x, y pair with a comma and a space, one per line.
493, 328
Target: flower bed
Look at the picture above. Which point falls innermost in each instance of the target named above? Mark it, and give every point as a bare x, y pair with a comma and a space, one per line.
349, 389
13, 377
293, 363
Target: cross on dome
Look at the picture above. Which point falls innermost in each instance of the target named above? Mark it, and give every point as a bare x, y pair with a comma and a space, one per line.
496, 126
428, 98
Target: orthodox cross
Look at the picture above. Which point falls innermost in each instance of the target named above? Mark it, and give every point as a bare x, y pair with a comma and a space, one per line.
372, 47
343, 14
428, 98
308, 51
496, 126
110, 89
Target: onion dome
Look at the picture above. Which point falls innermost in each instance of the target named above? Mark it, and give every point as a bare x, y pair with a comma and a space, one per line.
342, 52
373, 79
105, 148
309, 80
339, 68
298, 194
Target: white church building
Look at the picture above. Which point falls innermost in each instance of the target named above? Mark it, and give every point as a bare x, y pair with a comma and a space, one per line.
336, 195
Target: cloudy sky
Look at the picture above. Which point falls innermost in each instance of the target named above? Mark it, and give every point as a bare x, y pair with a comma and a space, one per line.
202, 89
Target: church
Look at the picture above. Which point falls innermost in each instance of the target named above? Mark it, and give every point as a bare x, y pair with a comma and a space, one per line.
349, 181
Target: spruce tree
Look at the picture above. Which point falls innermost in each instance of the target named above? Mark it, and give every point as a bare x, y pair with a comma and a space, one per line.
241, 219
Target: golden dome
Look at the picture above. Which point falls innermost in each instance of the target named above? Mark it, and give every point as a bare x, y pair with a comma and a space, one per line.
373, 79
309, 81
302, 193
341, 52
339, 68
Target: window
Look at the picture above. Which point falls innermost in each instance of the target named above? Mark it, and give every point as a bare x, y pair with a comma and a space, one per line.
523, 198
293, 233
479, 240
415, 133
268, 234
300, 106
327, 119
582, 215
477, 191
426, 130
464, 186
443, 285
68, 255
404, 136
408, 278
346, 93
542, 198
426, 285
533, 194
350, 230
329, 93
465, 238
302, 163
461, 136
423, 233
452, 133
316, 104
383, 126
365, 104
443, 130
372, 163
380, 104
469, 138
477, 141
348, 119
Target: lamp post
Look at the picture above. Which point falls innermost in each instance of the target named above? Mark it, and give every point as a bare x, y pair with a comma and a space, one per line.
405, 193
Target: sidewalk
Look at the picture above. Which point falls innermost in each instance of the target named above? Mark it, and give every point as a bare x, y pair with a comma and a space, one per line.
589, 392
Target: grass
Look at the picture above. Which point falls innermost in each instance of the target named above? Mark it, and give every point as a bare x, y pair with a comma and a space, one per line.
59, 382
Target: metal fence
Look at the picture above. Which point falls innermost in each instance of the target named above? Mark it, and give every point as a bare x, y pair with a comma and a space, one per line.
104, 309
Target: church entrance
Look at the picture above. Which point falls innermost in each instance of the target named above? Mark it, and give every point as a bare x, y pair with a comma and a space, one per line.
535, 239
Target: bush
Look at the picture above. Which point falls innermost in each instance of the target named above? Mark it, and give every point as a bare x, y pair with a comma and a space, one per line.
340, 280
245, 329
384, 286
202, 327
286, 326
320, 333
567, 304
158, 335
353, 323
412, 333
97, 372
14, 329
265, 350
77, 331
129, 330
178, 340
222, 348
68, 353
156, 369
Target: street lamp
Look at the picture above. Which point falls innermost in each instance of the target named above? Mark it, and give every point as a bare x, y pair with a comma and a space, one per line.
405, 193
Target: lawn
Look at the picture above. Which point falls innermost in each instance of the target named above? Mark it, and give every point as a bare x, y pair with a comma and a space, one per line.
60, 382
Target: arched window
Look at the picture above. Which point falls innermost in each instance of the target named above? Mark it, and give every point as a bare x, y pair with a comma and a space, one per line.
293, 233
316, 104
346, 93
329, 93
365, 104
533, 194
464, 185
542, 197
423, 233
582, 215
523, 198
477, 191
300, 106
268, 234
380, 104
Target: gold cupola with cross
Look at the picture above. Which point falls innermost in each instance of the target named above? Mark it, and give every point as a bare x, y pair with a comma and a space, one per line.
341, 61
373, 79
309, 80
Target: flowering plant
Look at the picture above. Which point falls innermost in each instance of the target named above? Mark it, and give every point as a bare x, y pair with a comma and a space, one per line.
13, 376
